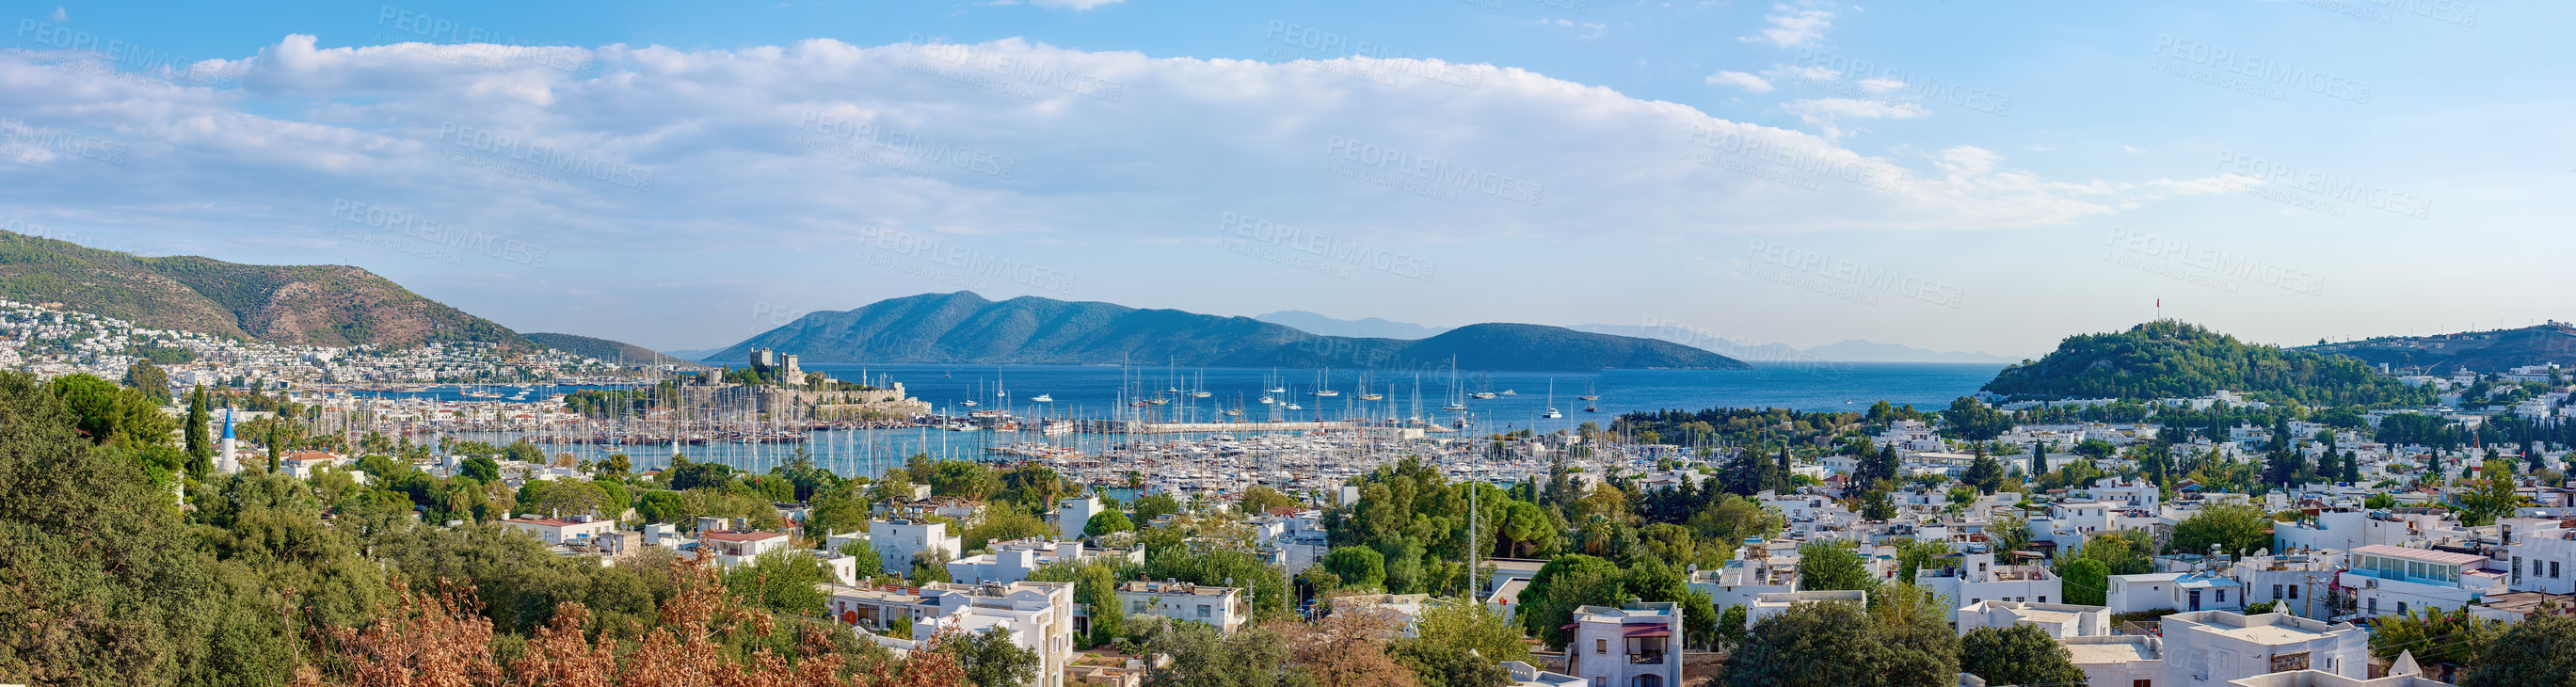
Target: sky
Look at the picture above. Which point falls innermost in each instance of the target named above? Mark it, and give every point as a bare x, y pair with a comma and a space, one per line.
1972, 176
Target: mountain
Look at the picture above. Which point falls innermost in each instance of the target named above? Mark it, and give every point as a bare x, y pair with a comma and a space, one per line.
603, 349
2171, 359
1366, 327
2488, 351
317, 305
1848, 351
963, 327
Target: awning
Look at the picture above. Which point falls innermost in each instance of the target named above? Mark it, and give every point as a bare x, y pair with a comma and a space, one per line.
1649, 631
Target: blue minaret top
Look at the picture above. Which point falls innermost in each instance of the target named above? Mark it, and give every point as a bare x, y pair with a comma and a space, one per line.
228, 423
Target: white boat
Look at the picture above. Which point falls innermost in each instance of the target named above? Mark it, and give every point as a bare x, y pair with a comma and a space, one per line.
969, 404
1265, 400
1481, 395
1551, 414
1276, 390
1327, 393
1508, 392
1293, 406
1043, 398
1455, 407
1056, 427
1372, 397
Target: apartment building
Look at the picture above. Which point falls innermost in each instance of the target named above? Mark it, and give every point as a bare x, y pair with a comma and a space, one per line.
1636, 645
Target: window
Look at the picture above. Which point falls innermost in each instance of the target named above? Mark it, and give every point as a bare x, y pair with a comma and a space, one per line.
2043, 598
1140, 607
2142, 683
1600, 646
2553, 570
2222, 596
1203, 610
2294, 591
2373, 603
2401, 608
2276, 591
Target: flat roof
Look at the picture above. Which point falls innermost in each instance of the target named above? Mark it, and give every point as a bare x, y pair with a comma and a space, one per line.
2428, 555
2108, 653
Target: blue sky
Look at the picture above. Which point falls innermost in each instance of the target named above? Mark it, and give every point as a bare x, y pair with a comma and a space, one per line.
1950, 175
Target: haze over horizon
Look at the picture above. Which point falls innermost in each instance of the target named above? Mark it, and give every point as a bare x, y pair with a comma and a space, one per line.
1954, 177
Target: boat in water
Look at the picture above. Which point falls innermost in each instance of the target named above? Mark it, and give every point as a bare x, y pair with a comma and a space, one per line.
1043, 398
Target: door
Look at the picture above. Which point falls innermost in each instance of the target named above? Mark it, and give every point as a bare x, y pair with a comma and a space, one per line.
2195, 599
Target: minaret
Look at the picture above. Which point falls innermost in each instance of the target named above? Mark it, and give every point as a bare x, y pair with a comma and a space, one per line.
224, 461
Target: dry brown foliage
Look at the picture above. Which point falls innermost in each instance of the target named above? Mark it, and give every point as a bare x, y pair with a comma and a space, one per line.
1348, 648
443, 640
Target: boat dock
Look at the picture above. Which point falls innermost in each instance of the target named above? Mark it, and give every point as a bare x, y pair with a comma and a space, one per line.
1133, 427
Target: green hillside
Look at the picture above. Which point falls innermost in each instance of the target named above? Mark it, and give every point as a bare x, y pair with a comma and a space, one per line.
2172, 359
319, 305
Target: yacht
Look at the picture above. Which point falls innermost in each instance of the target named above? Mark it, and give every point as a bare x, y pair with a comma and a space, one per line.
1266, 400
1043, 398
1508, 392
1551, 414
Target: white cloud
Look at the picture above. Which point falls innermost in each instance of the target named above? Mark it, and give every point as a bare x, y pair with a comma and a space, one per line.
1802, 73
59, 15
1741, 80
1862, 109
608, 152
2129, 148
1075, 5
1590, 30
1881, 84
1795, 25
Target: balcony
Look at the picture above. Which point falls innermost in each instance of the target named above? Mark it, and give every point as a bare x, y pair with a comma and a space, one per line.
1646, 658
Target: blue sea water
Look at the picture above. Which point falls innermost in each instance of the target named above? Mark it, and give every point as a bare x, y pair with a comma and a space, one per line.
1085, 392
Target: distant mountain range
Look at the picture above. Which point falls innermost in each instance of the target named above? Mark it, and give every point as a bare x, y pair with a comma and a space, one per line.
1849, 351
964, 327
1366, 327
315, 305
2488, 351
606, 350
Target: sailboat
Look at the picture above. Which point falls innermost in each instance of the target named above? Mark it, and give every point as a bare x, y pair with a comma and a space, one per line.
1551, 402
1589, 393
1457, 404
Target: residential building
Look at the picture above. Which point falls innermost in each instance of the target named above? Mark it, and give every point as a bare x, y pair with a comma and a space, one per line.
1072, 515
1636, 645
563, 530
1775, 603
1526, 675
1223, 607
1039, 616
2514, 607
735, 548
897, 541
2297, 584
2058, 620
1971, 577
2181, 591
2540, 555
1012, 561
2117, 660
2217, 647
2391, 580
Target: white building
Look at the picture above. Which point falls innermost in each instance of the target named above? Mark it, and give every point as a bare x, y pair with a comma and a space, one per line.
1072, 515
1638, 645
1039, 616
896, 542
1223, 607
563, 530
2540, 555
1969, 578
2390, 580
2181, 591
1012, 561
2058, 620
1776, 603
2117, 660
2217, 647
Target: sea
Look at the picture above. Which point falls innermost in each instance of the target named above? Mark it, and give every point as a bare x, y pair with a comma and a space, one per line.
1103, 391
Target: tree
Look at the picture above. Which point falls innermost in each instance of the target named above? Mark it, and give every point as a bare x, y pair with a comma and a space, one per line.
481, 469
1975, 421
990, 658
2436, 636
2038, 460
2540, 651
781, 580
1834, 644
930, 565
2492, 495
2020, 654
659, 506
2351, 467
1986, 474
1359, 567
1151, 506
1877, 506
2086, 581
1106, 523
1825, 565
1564, 584
1261, 499
201, 447
2237, 530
